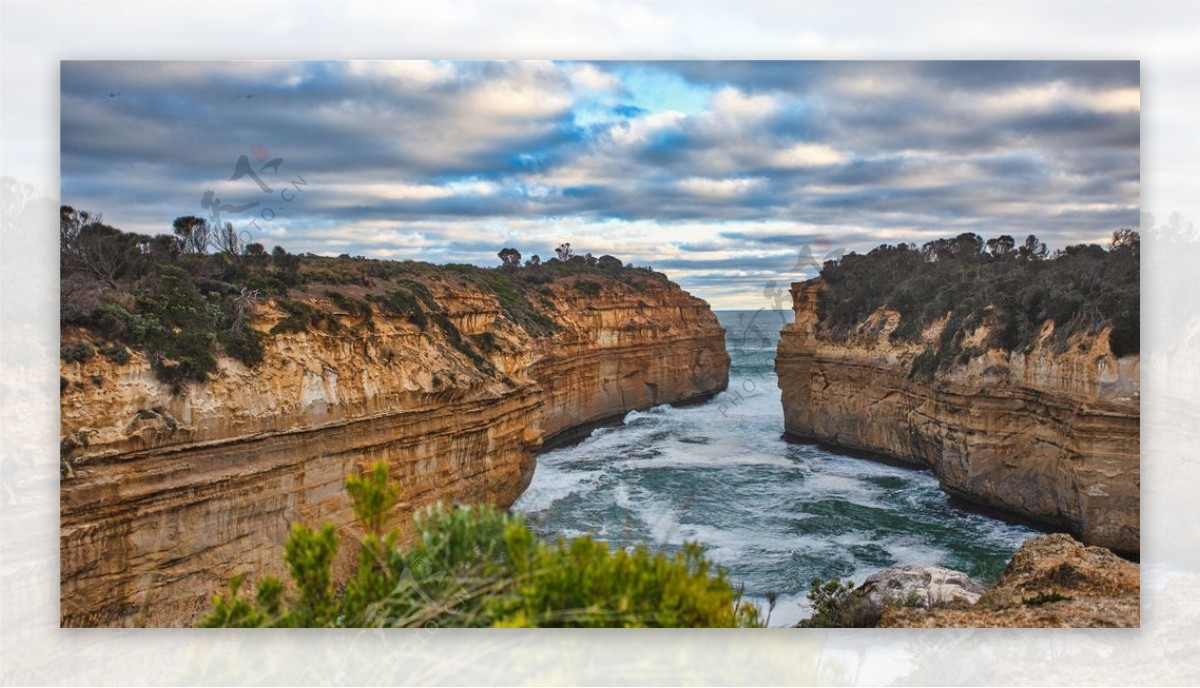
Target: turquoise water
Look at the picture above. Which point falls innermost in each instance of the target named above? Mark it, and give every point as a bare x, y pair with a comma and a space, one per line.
774, 514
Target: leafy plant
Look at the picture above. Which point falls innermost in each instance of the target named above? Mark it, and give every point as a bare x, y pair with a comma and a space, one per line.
587, 287
475, 566
117, 353
79, 352
837, 605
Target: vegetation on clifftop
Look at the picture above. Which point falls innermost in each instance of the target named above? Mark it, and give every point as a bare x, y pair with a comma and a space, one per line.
184, 298
474, 566
1009, 288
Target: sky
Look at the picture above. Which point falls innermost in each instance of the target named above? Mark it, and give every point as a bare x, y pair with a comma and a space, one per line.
733, 178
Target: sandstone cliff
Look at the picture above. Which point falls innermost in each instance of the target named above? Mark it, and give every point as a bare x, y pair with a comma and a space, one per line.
1045, 433
167, 494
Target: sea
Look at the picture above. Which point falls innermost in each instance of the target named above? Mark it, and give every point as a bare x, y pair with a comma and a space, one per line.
774, 514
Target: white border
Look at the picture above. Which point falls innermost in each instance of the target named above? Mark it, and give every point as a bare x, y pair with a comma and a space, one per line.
34, 36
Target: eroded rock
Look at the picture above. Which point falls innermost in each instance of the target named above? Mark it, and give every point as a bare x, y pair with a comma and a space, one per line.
173, 493
1047, 434
925, 586
1052, 581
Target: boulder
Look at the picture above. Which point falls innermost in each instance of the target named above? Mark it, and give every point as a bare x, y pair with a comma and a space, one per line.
924, 586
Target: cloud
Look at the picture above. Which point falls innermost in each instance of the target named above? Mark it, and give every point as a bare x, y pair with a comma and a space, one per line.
714, 171
718, 188
808, 155
589, 78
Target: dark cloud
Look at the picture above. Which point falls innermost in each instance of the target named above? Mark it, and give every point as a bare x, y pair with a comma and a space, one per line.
717, 172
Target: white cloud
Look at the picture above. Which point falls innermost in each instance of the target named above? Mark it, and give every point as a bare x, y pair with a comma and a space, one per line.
588, 78
407, 192
731, 105
718, 188
639, 129
808, 155
354, 194
408, 73
1057, 94
527, 89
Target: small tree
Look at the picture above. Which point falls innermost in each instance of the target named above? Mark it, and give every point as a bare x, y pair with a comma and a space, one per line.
226, 240
510, 257
564, 252
193, 232
1001, 246
71, 223
91, 248
534, 261
1125, 239
243, 308
609, 263
256, 253
1032, 249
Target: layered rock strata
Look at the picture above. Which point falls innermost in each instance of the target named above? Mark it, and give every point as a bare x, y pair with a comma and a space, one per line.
166, 495
1048, 434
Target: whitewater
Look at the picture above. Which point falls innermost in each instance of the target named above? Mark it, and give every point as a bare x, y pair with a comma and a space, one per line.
773, 513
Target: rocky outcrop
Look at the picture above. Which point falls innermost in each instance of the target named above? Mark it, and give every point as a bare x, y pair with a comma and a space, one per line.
1051, 582
920, 586
166, 495
1049, 434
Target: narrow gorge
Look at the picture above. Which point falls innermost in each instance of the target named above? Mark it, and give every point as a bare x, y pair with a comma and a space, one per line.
451, 377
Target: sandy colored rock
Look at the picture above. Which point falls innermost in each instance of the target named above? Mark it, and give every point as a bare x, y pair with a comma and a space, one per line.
926, 586
171, 494
1048, 434
1052, 581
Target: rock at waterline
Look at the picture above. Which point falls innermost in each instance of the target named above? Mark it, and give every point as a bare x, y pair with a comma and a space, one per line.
1053, 581
924, 586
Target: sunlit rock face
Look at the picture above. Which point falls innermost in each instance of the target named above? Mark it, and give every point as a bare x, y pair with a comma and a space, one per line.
1053, 581
167, 495
1049, 434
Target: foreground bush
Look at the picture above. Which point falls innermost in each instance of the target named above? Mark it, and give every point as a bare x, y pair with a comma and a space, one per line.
475, 566
837, 605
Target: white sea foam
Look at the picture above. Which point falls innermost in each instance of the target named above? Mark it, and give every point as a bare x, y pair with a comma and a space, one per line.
774, 514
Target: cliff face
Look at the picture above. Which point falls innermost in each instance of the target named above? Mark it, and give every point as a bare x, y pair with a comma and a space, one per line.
169, 494
1046, 434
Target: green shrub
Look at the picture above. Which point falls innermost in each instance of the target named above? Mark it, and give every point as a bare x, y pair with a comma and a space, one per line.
476, 566
403, 302
79, 352
513, 294
836, 605
117, 353
587, 287
299, 317
246, 346
1011, 290
349, 304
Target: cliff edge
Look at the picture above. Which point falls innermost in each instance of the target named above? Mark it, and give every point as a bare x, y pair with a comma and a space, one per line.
454, 376
1047, 430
